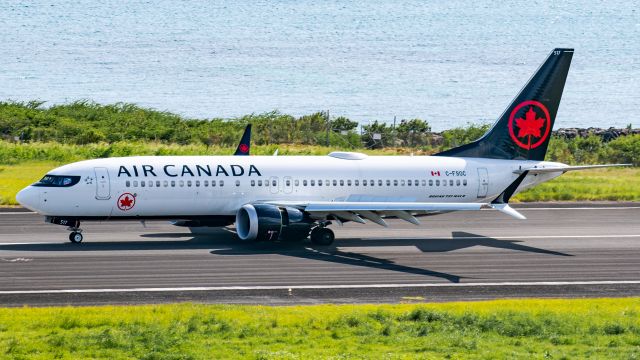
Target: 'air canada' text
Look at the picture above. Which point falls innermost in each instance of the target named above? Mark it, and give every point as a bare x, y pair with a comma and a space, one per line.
187, 170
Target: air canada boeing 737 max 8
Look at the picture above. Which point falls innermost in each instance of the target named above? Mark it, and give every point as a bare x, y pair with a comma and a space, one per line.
295, 197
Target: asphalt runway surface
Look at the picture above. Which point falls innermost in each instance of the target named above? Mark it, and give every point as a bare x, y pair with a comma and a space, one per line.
568, 250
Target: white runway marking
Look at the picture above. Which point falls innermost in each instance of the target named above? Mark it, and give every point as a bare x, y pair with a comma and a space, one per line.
579, 208
313, 287
509, 237
17, 212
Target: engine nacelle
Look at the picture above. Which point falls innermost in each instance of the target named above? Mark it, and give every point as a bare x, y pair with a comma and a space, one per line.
263, 222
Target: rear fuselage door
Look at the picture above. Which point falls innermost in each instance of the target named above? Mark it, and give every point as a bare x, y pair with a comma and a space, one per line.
483, 182
103, 186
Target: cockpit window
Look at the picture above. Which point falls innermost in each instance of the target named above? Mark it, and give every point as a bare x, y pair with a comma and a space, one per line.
58, 181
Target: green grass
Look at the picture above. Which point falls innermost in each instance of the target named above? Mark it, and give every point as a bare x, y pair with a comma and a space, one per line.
616, 184
538, 329
15, 177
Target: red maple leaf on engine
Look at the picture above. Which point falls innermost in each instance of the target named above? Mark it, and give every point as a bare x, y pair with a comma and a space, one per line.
126, 202
530, 125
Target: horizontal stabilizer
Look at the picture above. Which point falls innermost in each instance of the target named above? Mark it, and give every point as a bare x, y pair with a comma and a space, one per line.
566, 168
505, 208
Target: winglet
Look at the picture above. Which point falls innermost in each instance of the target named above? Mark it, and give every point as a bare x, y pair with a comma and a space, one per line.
245, 143
501, 203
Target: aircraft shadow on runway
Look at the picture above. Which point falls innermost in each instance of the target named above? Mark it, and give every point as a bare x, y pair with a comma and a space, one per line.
225, 243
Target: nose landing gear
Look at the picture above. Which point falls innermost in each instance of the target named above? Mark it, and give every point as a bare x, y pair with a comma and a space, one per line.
72, 224
75, 237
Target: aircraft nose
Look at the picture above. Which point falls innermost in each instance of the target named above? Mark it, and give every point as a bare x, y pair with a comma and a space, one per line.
28, 197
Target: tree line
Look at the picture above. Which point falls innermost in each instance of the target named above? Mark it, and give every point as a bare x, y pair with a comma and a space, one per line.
86, 122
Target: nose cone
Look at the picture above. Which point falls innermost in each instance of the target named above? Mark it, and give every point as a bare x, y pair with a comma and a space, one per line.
29, 198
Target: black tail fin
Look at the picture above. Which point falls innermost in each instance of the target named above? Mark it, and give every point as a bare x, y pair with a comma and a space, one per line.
524, 129
245, 143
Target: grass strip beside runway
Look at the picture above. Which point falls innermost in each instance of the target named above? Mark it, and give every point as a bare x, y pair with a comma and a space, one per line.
593, 328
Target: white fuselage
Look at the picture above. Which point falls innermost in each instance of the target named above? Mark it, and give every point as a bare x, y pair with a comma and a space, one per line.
183, 186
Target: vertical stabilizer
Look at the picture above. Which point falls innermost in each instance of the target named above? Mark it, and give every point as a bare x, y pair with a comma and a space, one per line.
524, 129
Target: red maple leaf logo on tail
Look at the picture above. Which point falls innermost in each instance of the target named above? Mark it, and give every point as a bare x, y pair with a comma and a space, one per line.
530, 125
530, 128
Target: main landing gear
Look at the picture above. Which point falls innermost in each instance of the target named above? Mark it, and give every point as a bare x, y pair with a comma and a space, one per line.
321, 235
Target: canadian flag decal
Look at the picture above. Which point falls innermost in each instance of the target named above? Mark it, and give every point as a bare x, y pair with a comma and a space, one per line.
435, 173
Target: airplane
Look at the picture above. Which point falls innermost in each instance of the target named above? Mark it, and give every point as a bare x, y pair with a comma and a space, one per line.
292, 198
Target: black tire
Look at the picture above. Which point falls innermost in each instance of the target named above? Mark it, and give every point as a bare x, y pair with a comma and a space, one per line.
75, 237
322, 236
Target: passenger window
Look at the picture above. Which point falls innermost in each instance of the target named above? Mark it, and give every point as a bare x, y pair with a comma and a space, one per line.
253, 183
142, 183
259, 182
221, 183
326, 182
444, 182
296, 182
416, 183
173, 183
437, 182
189, 183
274, 182
213, 183
288, 182
341, 182
128, 183
181, 183
206, 183
304, 182
313, 183
335, 183
364, 182
430, 182
424, 182
464, 182
458, 182
379, 182
319, 182
395, 182
408, 182
150, 183
165, 183
237, 182
158, 183
450, 182
388, 182
197, 183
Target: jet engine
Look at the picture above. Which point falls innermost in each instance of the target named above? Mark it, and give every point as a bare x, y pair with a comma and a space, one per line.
264, 222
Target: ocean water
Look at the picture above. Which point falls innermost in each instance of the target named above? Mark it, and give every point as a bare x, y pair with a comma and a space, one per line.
448, 62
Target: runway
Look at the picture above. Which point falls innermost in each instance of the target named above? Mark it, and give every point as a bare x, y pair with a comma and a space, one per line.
568, 250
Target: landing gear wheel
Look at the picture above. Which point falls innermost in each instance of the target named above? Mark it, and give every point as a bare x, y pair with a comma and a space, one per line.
322, 236
75, 237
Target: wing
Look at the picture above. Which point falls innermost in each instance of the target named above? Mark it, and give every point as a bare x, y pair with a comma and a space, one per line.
358, 211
